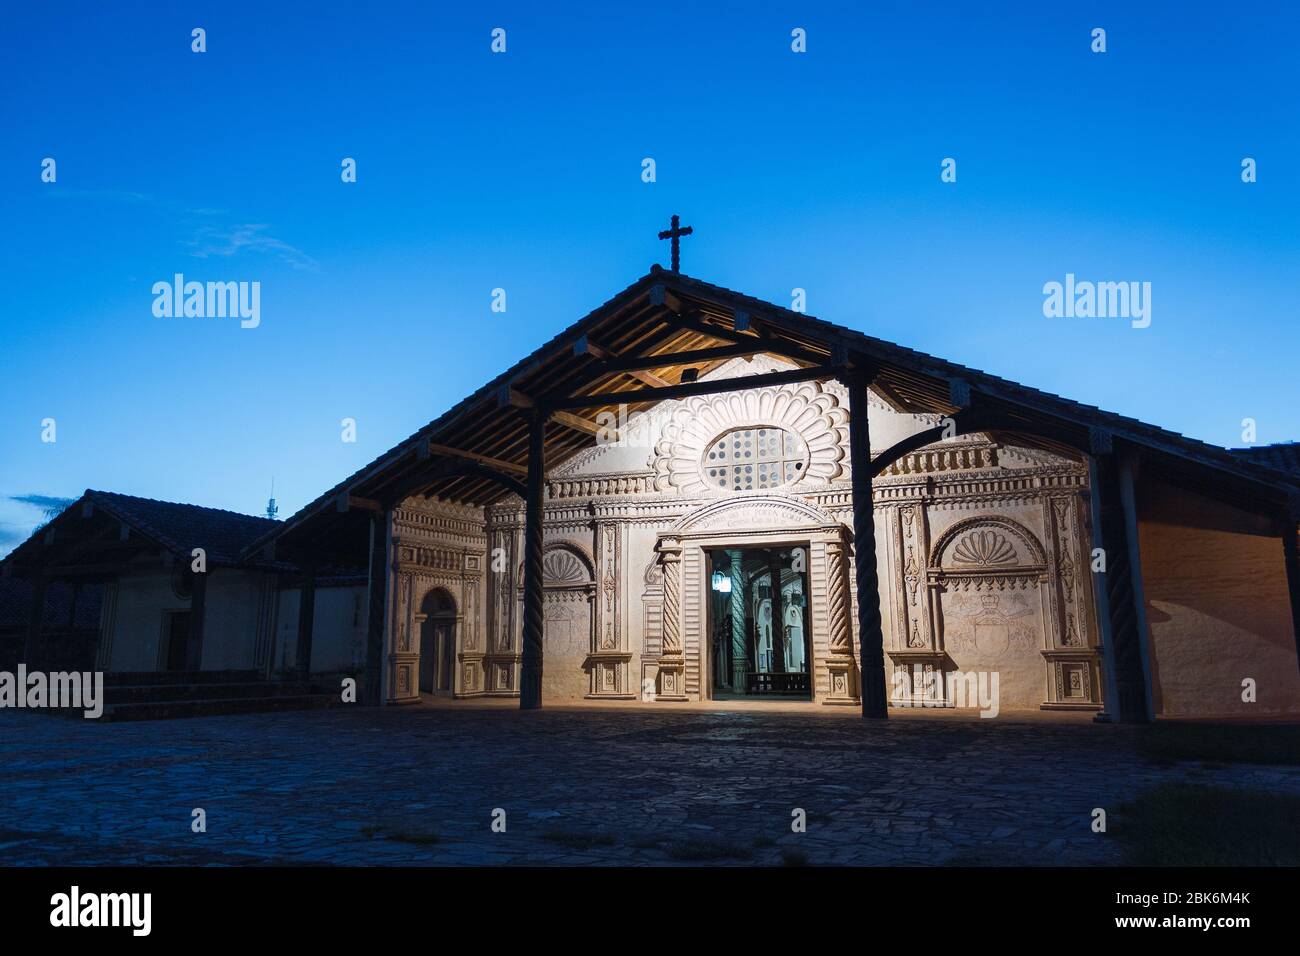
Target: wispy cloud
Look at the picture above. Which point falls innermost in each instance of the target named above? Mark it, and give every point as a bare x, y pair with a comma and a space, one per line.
50, 504
225, 242
208, 240
17, 522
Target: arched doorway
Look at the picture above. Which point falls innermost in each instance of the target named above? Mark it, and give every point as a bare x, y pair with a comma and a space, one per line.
437, 642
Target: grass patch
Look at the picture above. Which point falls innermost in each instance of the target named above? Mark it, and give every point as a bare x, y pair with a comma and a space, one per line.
578, 840
1187, 825
708, 851
1164, 743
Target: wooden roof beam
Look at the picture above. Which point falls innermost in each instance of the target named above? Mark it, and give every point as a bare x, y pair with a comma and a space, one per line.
764, 343
577, 423
689, 357
687, 389
584, 346
429, 448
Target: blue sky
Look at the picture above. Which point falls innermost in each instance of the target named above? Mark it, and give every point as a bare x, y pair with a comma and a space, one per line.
522, 171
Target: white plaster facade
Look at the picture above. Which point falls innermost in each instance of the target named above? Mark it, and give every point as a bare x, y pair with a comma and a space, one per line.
982, 553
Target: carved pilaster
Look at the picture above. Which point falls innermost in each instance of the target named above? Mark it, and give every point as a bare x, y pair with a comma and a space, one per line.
840, 636
608, 662
672, 663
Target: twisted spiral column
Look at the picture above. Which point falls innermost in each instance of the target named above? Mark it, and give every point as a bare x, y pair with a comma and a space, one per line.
839, 662
672, 662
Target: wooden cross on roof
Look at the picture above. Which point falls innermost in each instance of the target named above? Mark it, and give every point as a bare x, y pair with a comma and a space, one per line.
675, 234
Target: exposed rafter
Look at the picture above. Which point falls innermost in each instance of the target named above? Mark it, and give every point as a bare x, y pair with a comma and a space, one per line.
687, 389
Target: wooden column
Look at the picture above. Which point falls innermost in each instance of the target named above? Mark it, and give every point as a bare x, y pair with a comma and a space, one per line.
530, 680
198, 612
32, 648
875, 696
1291, 555
1121, 584
376, 610
306, 621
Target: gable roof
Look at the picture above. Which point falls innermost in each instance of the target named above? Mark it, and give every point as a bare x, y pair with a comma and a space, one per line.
172, 526
182, 527
663, 313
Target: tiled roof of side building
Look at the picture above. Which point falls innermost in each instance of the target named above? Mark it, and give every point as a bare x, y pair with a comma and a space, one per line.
1284, 456
223, 535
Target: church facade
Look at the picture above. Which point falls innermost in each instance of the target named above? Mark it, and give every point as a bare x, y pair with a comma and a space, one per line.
983, 563
691, 495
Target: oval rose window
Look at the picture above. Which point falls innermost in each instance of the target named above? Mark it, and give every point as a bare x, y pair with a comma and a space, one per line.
746, 459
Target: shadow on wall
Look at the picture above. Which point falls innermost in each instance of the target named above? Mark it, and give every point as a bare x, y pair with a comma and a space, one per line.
1217, 607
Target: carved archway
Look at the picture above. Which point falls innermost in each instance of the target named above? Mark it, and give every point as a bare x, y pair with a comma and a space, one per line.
744, 513
439, 624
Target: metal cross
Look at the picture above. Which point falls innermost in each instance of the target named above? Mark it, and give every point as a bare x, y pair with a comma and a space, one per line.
675, 234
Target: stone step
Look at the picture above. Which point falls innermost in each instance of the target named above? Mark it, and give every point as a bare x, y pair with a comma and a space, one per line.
144, 693
172, 709
137, 678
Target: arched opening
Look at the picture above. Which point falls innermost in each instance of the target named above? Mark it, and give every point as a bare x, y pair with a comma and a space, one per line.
437, 642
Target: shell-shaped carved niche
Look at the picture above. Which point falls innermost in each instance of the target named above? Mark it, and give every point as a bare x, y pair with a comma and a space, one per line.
984, 548
561, 567
805, 410
986, 542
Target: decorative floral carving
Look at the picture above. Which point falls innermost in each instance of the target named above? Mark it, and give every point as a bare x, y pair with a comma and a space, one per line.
805, 410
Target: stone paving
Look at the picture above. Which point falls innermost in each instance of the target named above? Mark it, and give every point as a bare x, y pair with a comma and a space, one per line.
646, 785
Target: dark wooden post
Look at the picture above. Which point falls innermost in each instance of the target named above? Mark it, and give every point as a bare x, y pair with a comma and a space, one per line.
376, 609
198, 604
875, 697
306, 621
1121, 585
530, 682
35, 620
1291, 555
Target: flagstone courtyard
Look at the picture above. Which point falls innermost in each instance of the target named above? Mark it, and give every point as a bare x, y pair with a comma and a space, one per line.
646, 785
